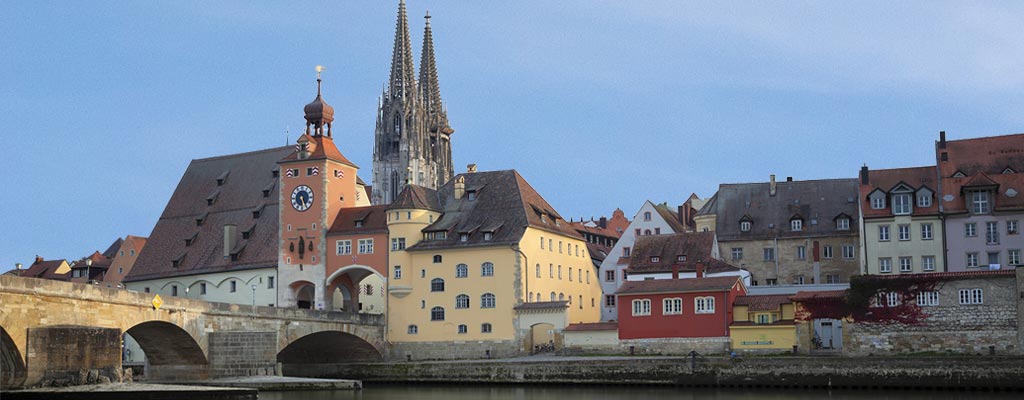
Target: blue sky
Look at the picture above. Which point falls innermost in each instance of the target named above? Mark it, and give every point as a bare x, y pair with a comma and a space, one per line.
599, 104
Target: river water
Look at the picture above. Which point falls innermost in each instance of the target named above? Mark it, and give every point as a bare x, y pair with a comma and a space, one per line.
509, 392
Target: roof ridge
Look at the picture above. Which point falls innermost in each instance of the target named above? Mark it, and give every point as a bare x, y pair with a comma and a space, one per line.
272, 149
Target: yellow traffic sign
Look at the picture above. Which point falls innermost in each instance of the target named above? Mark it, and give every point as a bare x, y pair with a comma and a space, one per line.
157, 302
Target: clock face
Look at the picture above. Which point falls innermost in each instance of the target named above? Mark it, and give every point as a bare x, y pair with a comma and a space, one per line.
302, 198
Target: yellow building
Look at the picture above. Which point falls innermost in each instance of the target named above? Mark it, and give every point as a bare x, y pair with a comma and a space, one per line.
485, 263
763, 323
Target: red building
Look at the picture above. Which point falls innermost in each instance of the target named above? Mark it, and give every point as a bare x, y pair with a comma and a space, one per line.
678, 308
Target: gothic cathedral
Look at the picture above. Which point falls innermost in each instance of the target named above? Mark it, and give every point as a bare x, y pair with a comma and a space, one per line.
413, 138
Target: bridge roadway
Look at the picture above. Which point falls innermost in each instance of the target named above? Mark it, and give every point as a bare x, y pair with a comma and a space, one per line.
51, 330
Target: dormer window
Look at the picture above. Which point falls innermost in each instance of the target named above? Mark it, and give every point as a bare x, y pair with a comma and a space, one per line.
655, 259
463, 237
543, 219
980, 202
1009, 170
471, 195
843, 224
924, 199
901, 204
681, 258
745, 226
796, 224
877, 201
488, 235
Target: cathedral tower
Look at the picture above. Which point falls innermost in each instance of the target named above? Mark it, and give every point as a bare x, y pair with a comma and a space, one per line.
413, 138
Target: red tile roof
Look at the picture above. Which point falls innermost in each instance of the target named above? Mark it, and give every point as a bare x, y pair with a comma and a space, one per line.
323, 147
983, 161
887, 179
713, 284
592, 326
543, 305
374, 220
696, 246
819, 294
763, 302
45, 270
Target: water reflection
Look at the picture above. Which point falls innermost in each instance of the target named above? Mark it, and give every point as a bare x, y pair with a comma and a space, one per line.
508, 392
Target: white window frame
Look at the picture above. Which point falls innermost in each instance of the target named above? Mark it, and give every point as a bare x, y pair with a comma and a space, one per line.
801, 252
843, 224
980, 202
906, 264
970, 229
1012, 227
903, 232
462, 301
901, 204
641, 307
883, 233
398, 272
848, 249
745, 226
928, 299
991, 232
796, 225
672, 306
461, 271
927, 263
1013, 257
397, 244
878, 202
343, 247
826, 251
973, 259
704, 305
487, 269
365, 246
737, 253
924, 200
927, 231
885, 265
412, 330
971, 296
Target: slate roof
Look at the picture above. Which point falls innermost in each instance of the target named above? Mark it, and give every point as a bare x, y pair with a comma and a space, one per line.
374, 220
764, 302
241, 194
712, 284
670, 216
888, 179
710, 206
111, 251
592, 326
418, 198
505, 204
817, 201
696, 246
983, 161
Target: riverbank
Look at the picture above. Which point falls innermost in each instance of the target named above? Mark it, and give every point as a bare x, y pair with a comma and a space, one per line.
928, 372
133, 391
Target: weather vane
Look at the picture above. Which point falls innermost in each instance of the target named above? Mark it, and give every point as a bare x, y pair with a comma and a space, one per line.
319, 69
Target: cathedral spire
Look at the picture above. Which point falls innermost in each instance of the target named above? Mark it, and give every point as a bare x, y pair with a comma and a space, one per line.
403, 80
429, 88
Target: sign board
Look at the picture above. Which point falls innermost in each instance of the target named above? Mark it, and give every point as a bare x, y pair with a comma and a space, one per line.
157, 302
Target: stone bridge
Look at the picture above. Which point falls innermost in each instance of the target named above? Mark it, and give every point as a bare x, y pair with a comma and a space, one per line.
50, 330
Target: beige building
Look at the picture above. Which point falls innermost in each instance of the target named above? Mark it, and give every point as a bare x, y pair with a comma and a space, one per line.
484, 262
902, 232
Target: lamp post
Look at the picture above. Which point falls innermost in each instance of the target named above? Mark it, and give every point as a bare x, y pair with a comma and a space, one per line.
253, 286
88, 265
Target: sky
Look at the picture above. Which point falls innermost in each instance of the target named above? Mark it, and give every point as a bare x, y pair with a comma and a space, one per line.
598, 104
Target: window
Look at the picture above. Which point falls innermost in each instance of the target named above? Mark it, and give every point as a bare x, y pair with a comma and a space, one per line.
831, 279
488, 235
796, 225
344, 247
625, 275
885, 265
397, 244
769, 254
928, 299
970, 229
553, 296
737, 253
1013, 257
437, 314
892, 299
801, 252
647, 216
398, 272
423, 273
487, 269
926, 231
131, 252
979, 202
559, 247
145, 289
462, 301
906, 264
609, 300
744, 226
174, 290
924, 199
437, 285
609, 276
551, 245
559, 272
971, 296
437, 258
461, 271
542, 243
904, 232
551, 270
993, 257
672, 306
877, 201
1012, 227
843, 224
647, 232
485, 328
487, 300
641, 307
992, 232
538, 270
883, 233
704, 305
588, 276
681, 258
413, 329
202, 288
365, 246
637, 231
463, 237
625, 251
928, 263
570, 274
972, 259
849, 251
655, 259
771, 281
826, 251
901, 204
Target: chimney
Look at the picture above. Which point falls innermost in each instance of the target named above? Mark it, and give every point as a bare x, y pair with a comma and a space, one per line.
230, 239
38, 260
771, 185
675, 271
864, 174
471, 168
603, 222
942, 139
684, 214
700, 269
789, 179
17, 266
460, 187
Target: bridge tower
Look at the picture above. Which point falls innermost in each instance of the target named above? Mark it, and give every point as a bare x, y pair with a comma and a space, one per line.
316, 183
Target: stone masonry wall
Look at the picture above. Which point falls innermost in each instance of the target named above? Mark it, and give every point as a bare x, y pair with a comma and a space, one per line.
659, 346
242, 353
61, 355
457, 350
950, 326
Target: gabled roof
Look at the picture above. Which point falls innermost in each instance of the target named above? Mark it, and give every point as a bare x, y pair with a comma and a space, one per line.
374, 220
45, 270
250, 174
671, 217
818, 201
763, 302
979, 179
111, 251
504, 205
323, 147
713, 284
710, 206
695, 246
990, 155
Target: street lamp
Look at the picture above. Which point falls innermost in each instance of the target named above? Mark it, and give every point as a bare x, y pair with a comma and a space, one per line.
88, 264
253, 299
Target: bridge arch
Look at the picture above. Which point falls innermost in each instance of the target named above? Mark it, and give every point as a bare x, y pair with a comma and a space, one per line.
329, 347
171, 350
12, 364
344, 288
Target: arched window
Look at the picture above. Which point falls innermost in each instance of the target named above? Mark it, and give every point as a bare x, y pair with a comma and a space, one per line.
487, 269
529, 298
647, 216
437, 285
413, 329
463, 329
647, 232
561, 296
538, 270
552, 296
437, 258
398, 126
461, 271
437, 314
462, 301
485, 328
487, 300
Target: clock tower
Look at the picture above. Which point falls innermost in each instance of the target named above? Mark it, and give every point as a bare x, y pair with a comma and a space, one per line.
315, 183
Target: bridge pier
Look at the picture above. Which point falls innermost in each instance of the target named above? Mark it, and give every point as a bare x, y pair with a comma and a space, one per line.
243, 353
60, 354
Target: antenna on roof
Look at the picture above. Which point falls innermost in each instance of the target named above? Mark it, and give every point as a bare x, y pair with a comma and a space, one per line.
287, 135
